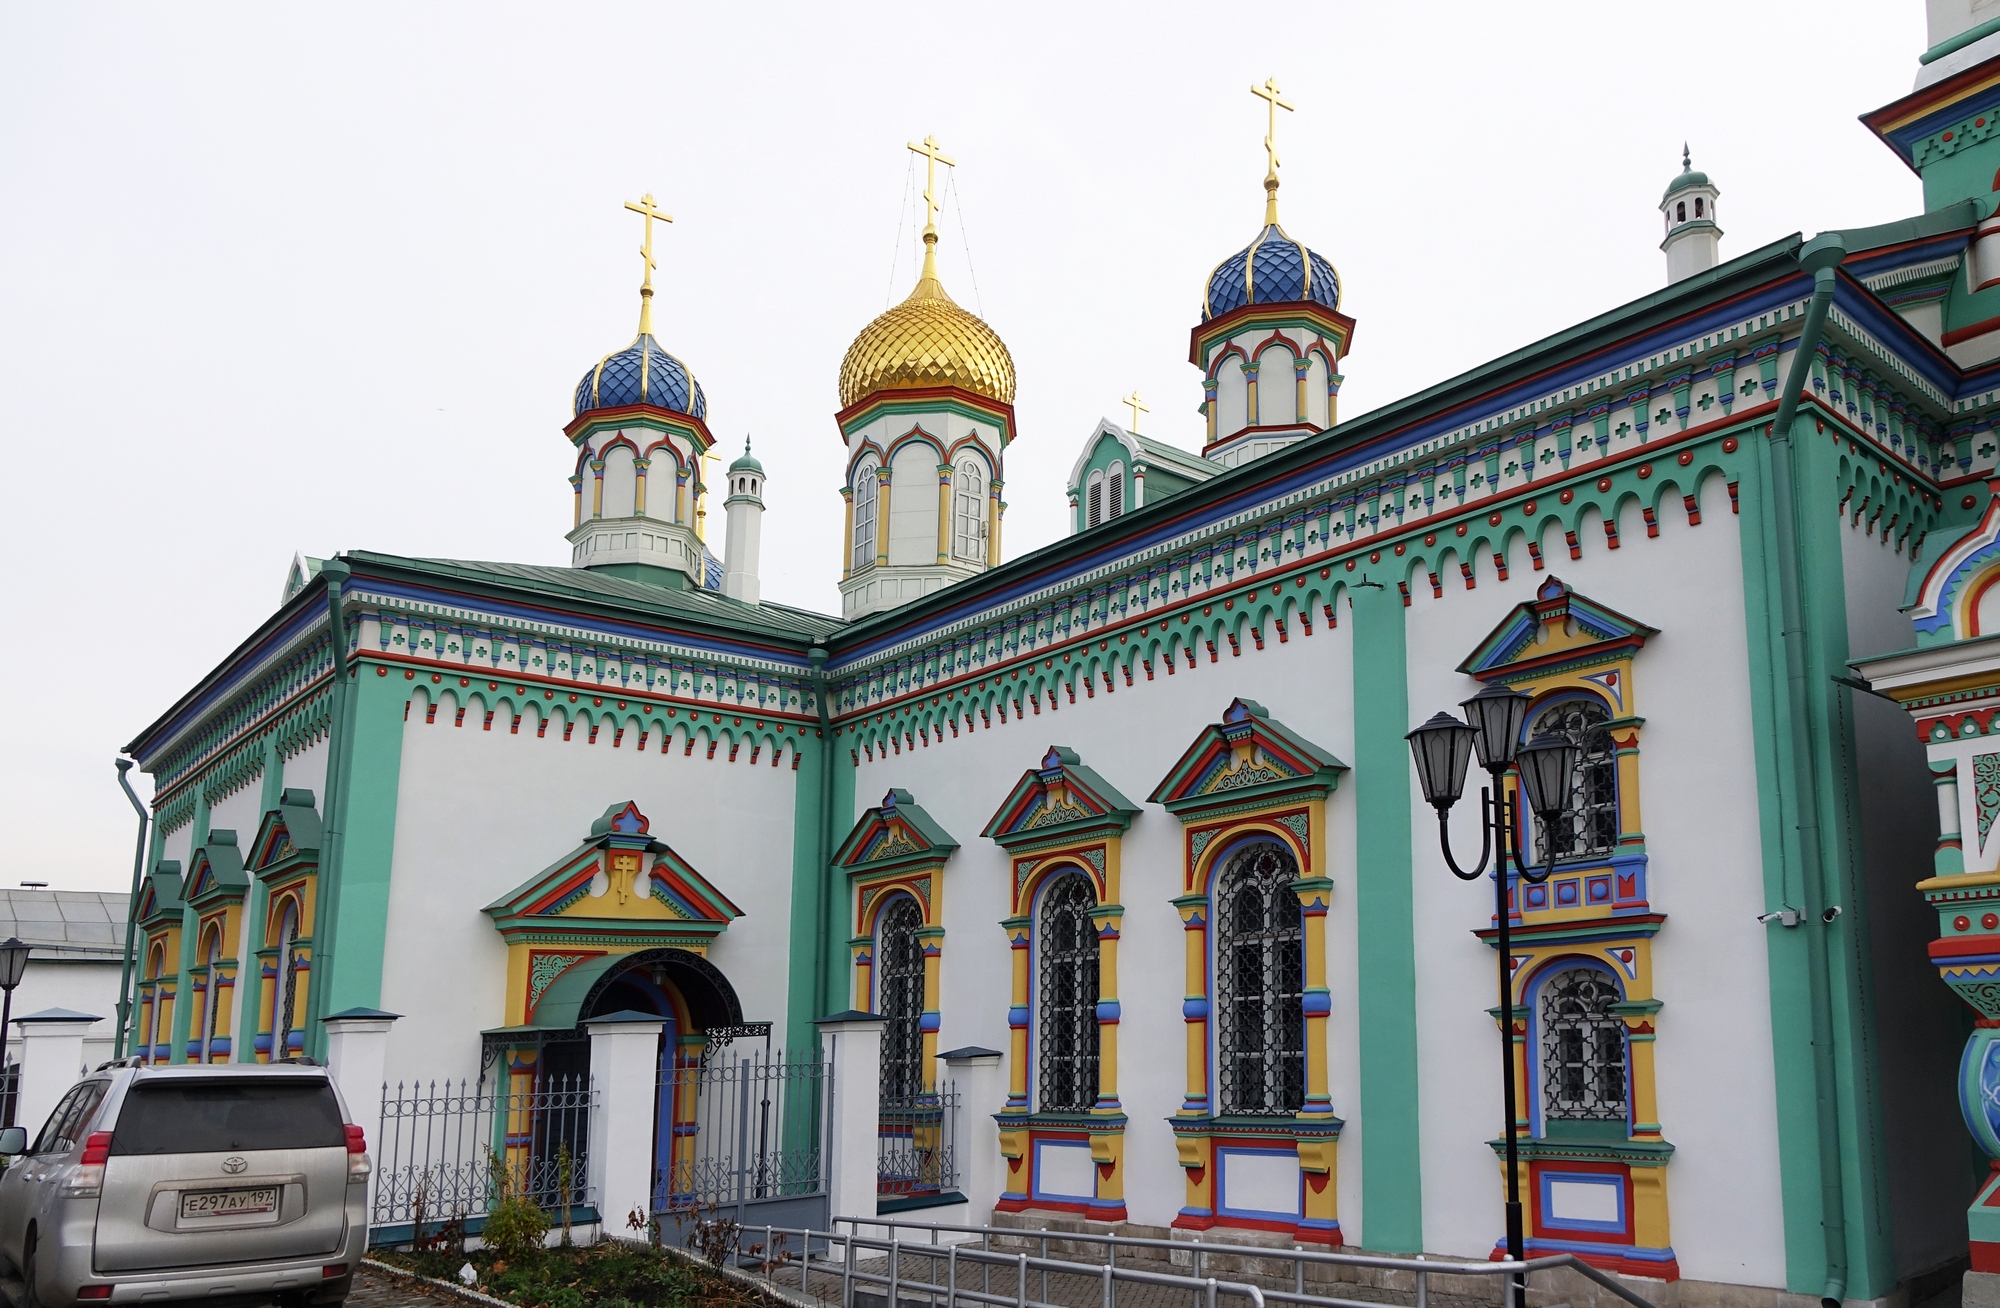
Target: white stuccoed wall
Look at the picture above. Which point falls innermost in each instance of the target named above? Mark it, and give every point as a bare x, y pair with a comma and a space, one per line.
306, 770
1715, 1074
1131, 737
239, 811
480, 812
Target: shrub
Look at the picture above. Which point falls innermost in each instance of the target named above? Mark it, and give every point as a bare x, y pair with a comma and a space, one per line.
514, 1229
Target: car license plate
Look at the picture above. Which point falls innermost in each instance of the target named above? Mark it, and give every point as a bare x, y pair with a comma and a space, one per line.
229, 1203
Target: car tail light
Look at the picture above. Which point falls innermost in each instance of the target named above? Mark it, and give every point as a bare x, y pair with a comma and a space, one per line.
88, 1179
333, 1271
358, 1166
93, 1292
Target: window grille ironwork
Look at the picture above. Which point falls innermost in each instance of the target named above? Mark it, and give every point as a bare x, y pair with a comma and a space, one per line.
1588, 826
899, 991
1067, 1038
914, 1155
1583, 1048
288, 983
1260, 983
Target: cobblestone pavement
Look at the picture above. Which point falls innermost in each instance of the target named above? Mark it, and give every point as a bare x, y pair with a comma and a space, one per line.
1078, 1290
373, 1289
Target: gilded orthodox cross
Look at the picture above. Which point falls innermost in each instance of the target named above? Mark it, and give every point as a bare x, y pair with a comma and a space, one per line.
1269, 93
651, 211
932, 158
1134, 403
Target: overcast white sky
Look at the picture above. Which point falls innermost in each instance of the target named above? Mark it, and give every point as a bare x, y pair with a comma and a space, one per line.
278, 278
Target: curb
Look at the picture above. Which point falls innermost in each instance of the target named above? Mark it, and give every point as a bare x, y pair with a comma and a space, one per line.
471, 1296
452, 1288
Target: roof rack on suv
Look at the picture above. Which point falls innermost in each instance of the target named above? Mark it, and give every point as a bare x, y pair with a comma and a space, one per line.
130, 1060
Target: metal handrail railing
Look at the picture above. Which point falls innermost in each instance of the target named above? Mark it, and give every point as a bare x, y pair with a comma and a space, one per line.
1205, 1290
1196, 1249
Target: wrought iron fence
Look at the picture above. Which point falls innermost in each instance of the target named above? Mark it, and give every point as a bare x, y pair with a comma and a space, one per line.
747, 1129
914, 1156
450, 1150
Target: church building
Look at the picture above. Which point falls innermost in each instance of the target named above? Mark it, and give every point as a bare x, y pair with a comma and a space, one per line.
1135, 811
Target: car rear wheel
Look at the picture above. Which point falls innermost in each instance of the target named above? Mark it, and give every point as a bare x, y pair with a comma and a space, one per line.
30, 1298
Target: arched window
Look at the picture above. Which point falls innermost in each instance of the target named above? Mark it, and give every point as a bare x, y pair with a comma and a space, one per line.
212, 956
1697, 206
899, 993
1094, 501
155, 964
864, 519
969, 533
1114, 490
288, 982
1582, 1047
1260, 983
1681, 212
1589, 823
1066, 1036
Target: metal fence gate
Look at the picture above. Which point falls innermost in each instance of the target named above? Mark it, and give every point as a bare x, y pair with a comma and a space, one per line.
742, 1136
450, 1149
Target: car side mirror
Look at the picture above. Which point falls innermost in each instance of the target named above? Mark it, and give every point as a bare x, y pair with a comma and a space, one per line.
13, 1141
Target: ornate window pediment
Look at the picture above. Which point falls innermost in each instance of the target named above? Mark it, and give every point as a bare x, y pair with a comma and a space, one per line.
1061, 800
1559, 632
619, 887
215, 873
287, 837
894, 835
160, 897
1248, 754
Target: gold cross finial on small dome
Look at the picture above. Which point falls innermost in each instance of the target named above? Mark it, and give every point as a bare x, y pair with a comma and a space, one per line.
651, 210
1269, 92
1138, 406
932, 158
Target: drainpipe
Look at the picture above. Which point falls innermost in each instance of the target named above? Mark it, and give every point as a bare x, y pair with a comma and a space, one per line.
817, 656
326, 908
124, 765
1821, 256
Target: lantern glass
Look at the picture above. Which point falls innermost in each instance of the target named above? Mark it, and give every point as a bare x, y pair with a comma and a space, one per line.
1442, 747
1497, 712
1547, 763
13, 962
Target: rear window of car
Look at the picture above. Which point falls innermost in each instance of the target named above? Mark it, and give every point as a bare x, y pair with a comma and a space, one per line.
202, 1116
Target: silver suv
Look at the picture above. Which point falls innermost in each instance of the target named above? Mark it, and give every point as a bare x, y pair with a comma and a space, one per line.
239, 1182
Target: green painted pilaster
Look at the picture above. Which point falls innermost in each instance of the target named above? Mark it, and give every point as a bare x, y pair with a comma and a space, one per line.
809, 884
249, 981
1785, 950
368, 787
839, 981
1864, 1160
1391, 1186
184, 983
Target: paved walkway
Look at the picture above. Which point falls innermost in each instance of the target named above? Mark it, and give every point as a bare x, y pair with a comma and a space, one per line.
372, 1289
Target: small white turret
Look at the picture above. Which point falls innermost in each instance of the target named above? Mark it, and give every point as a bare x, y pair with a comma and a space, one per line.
1694, 242
744, 532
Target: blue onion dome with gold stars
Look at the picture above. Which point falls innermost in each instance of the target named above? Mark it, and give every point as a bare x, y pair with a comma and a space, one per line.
641, 373
1272, 268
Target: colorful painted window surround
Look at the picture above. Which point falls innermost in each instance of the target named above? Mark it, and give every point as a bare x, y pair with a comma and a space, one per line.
1256, 1133
1589, 1136
1062, 1131
159, 918
215, 887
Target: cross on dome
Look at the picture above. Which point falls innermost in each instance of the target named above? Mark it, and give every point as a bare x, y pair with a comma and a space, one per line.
651, 210
1270, 93
1134, 403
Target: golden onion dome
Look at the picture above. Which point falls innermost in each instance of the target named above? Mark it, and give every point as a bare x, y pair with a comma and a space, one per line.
927, 340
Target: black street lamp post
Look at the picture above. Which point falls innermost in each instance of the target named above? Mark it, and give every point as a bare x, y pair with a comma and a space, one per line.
1442, 747
13, 963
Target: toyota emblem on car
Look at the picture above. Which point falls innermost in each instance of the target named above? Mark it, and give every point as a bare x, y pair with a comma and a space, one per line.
233, 1165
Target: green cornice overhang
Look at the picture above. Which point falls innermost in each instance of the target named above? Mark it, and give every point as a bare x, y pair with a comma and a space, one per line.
1355, 440
1632, 1153
518, 927
928, 399
640, 415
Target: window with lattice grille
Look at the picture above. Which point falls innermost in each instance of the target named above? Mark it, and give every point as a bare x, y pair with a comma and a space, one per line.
1582, 1048
1260, 983
899, 992
1588, 826
1066, 1032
